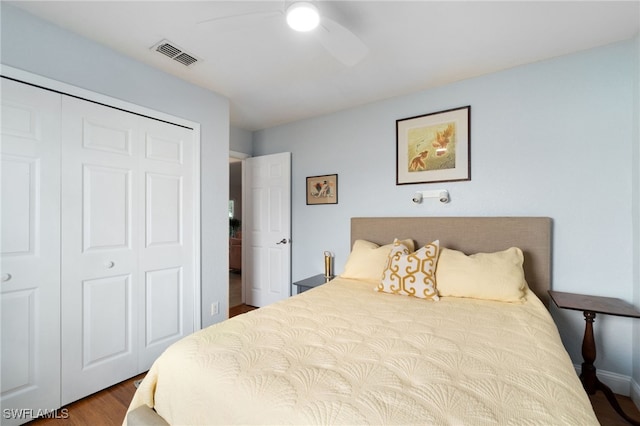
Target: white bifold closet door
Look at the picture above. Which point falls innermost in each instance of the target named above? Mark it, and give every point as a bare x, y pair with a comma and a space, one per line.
127, 247
30, 335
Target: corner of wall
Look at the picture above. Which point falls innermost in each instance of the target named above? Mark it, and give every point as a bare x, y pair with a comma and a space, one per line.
635, 374
240, 140
635, 393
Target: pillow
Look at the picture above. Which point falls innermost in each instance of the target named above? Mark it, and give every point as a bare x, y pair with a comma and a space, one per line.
367, 260
493, 276
411, 274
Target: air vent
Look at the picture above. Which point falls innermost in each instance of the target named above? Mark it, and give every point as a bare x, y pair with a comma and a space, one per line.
186, 59
174, 52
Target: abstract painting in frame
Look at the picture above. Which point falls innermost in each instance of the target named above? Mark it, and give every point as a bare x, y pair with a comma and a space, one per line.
434, 147
322, 189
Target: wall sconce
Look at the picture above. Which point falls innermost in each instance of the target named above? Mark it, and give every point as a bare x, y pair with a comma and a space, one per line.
441, 194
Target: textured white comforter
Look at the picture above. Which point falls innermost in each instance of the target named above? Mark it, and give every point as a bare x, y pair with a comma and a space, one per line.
344, 354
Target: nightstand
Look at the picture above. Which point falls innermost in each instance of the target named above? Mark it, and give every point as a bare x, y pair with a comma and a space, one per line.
311, 282
590, 306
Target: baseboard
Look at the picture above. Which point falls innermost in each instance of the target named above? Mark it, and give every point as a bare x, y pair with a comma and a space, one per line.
618, 383
635, 393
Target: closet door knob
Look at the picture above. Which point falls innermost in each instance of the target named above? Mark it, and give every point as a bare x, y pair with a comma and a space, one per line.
6, 277
110, 264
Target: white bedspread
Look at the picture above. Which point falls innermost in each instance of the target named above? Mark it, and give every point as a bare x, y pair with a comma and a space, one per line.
344, 354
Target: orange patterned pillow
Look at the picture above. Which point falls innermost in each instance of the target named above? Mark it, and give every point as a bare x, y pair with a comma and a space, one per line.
411, 274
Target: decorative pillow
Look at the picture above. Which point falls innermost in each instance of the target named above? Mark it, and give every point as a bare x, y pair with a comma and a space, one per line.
411, 274
367, 260
493, 276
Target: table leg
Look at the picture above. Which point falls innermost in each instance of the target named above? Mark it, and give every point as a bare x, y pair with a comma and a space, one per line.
588, 375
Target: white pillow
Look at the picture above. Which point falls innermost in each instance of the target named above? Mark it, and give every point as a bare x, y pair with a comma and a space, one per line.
493, 276
367, 260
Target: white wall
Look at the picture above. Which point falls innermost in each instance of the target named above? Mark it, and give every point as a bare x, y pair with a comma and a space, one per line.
34, 45
548, 139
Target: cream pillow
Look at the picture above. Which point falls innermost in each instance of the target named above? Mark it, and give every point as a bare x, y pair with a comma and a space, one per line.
493, 276
367, 260
411, 274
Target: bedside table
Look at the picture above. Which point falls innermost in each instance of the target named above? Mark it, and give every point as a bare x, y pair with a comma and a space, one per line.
590, 306
311, 282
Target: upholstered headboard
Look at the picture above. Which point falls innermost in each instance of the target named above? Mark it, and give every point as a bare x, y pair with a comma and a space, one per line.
471, 235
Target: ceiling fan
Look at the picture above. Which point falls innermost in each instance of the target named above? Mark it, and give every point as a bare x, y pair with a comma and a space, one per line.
305, 16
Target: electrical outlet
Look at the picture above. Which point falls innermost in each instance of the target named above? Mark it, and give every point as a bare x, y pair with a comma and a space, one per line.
215, 308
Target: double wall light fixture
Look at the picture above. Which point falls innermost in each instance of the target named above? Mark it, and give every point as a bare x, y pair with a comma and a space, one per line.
441, 194
303, 16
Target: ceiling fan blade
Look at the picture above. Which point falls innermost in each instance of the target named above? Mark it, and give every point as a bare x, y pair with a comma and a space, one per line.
344, 45
240, 21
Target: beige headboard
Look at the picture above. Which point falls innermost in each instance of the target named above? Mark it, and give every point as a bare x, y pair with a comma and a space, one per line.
471, 235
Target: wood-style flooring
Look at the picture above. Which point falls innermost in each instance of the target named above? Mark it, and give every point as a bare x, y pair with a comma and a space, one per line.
104, 408
108, 407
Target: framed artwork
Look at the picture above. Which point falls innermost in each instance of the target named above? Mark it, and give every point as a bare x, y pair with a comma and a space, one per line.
434, 147
322, 189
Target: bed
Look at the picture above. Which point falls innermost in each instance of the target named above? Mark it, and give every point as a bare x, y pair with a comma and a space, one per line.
344, 353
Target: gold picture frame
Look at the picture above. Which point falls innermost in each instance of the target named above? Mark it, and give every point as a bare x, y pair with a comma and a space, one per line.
434, 147
322, 189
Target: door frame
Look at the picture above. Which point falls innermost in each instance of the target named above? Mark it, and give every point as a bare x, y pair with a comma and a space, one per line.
74, 91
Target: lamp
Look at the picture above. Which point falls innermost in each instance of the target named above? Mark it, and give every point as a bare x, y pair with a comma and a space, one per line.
303, 16
441, 194
328, 265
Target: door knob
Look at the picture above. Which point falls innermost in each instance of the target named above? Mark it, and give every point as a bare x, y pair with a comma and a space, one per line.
110, 264
283, 241
6, 277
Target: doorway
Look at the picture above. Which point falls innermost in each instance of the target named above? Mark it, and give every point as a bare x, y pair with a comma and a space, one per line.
235, 231
259, 219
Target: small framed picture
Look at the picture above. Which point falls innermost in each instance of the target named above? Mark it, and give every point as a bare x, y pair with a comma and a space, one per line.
322, 189
434, 147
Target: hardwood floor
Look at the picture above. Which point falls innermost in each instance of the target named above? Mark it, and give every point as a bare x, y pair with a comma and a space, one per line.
607, 415
104, 408
240, 309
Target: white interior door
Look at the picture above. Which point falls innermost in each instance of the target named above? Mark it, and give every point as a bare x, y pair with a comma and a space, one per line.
100, 187
267, 228
167, 241
30, 251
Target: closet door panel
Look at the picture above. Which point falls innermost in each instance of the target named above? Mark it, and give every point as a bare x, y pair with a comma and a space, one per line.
106, 208
107, 311
163, 293
20, 187
166, 257
30, 249
164, 207
100, 181
18, 315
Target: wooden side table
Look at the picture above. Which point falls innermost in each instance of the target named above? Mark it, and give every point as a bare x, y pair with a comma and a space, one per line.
590, 306
311, 282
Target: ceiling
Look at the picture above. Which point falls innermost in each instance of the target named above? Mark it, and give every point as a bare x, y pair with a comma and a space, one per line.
273, 75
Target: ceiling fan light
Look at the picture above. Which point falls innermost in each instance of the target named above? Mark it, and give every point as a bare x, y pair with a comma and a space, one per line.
303, 16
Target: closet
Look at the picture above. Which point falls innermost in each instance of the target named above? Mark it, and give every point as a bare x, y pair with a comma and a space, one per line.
98, 244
